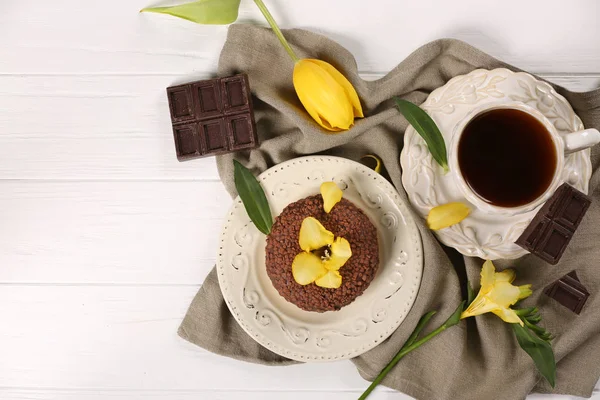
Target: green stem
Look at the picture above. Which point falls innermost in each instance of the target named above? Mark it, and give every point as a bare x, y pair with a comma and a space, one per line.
411, 345
275, 28
403, 351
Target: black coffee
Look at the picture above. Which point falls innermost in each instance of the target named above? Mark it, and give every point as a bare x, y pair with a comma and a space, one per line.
507, 157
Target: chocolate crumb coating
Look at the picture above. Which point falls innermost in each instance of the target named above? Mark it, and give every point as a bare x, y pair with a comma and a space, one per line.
345, 220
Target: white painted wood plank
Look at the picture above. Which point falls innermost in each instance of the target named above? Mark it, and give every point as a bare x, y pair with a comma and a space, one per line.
109, 232
82, 342
70, 36
111, 338
61, 394
107, 127
297, 394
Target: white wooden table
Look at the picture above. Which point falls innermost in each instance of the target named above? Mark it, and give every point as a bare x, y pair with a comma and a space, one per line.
105, 237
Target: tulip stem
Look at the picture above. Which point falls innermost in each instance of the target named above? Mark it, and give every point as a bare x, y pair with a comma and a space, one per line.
411, 345
276, 30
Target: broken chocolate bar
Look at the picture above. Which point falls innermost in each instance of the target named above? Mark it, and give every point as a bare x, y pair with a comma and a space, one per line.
569, 292
551, 230
212, 117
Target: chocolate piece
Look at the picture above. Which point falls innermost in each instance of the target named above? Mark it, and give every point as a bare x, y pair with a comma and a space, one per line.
553, 242
212, 117
569, 292
551, 230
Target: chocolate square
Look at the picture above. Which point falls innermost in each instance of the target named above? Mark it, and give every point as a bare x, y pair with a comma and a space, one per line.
569, 292
212, 117
241, 127
552, 228
211, 134
532, 234
553, 243
571, 211
181, 103
235, 94
186, 141
207, 96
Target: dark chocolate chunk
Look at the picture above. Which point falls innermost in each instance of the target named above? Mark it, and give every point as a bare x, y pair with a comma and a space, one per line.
551, 230
235, 93
207, 99
186, 141
181, 104
533, 233
569, 292
571, 211
212, 117
553, 242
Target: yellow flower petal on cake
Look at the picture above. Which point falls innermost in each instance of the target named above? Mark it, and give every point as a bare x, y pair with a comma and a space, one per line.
340, 253
313, 235
446, 215
331, 280
306, 268
331, 194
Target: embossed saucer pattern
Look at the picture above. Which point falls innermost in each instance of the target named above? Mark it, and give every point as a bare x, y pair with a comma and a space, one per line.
482, 234
301, 335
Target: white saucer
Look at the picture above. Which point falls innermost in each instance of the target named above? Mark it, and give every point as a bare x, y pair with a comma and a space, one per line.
301, 335
483, 235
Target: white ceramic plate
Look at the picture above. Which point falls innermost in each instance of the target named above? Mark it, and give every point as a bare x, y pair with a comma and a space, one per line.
482, 234
301, 335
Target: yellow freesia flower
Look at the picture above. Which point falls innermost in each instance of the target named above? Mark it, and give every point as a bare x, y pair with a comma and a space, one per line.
331, 194
326, 94
321, 256
497, 294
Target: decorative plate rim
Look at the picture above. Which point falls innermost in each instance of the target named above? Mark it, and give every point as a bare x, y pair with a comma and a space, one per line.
417, 260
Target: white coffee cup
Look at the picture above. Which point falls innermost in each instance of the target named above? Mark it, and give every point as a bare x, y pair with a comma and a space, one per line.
564, 144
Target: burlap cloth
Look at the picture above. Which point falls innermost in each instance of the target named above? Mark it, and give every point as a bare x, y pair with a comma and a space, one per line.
479, 358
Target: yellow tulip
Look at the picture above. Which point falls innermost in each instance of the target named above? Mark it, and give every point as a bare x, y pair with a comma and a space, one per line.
497, 294
326, 94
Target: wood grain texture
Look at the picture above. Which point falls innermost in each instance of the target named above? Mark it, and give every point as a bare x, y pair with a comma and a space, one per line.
82, 337
108, 127
73, 37
109, 232
105, 236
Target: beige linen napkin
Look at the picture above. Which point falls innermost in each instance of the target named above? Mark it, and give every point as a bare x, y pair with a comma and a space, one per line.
479, 358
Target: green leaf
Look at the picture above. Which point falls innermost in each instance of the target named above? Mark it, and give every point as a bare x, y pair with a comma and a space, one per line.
455, 317
253, 197
422, 322
427, 128
209, 12
470, 294
539, 350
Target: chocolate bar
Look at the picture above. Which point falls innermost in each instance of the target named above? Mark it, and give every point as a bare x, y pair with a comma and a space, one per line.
212, 117
569, 292
551, 230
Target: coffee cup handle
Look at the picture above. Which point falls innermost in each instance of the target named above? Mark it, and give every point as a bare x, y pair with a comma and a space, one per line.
581, 140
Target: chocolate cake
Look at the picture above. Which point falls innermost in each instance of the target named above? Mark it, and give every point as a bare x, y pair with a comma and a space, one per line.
345, 220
